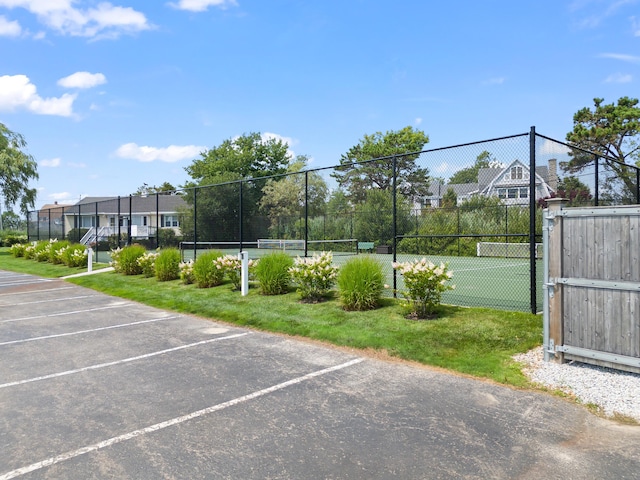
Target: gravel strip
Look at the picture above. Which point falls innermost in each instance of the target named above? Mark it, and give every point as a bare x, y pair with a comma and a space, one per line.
612, 390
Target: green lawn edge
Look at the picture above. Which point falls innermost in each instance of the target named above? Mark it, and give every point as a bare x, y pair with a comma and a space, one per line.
474, 341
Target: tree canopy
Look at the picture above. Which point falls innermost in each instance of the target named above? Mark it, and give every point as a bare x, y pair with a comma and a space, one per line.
610, 130
165, 188
470, 174
17, 168
357, 178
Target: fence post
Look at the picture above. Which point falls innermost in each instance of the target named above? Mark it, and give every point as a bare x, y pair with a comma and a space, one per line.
556, 326
394, 227
240, 213
195, 223
597, 181
130, 219
157, 220
119, 222
532, 220
306, 211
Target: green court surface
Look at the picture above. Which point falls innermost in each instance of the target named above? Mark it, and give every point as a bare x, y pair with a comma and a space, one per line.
502, 283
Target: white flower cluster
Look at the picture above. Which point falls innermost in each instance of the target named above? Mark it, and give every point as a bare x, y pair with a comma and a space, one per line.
314, 275
186, 272
148, 263
231, 265
424, 282
115, 258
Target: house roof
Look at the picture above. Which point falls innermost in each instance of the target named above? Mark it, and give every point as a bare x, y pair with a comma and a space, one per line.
138, 205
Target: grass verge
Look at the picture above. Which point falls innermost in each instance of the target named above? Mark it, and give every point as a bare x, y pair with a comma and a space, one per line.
473, 341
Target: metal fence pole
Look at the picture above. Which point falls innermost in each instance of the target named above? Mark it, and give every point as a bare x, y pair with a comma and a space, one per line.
597, 182
638, 185
240, 214
306, 212
119, 222
157, 219
532, 219
394, 226
130, 220
195, 223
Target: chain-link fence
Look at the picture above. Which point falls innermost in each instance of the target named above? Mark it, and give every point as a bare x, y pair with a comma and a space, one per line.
476, 206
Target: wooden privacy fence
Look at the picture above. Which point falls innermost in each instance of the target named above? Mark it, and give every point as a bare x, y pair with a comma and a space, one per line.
592, 285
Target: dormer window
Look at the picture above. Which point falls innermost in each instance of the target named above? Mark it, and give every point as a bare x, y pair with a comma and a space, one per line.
516, 173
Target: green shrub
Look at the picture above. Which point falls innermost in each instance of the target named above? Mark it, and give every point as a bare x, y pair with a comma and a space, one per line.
168, 238
75, 255
30, 250
17, 249
314, 276
205, 272
360, 283
128, 260
168, 265
9, 239
43, 250
272, 273
57, 249
147, 263
186, 272
424, 284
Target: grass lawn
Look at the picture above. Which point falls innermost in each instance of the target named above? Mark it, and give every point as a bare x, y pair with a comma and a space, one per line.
474, 341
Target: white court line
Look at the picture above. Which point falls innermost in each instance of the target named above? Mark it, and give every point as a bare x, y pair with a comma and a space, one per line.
169, 423
119, 362
48, 301
80, 332
60, 314
36, 291
489, 268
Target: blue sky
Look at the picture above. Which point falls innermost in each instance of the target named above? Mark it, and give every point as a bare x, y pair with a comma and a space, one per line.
111, 95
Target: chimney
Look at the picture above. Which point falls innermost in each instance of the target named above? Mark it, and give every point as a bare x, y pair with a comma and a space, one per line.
56, 202
553, 174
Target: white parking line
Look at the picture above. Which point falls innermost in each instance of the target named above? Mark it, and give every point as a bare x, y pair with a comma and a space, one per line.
26, 282
32, 292
80, 332
120, 362
73, 312
169, 423
48, 301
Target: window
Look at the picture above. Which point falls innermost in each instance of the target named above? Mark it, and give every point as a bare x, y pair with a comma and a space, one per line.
516, 173
512, 193
169, 221
524, 193
502, 193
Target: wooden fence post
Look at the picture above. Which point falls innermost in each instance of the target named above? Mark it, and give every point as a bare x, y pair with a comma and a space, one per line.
556, 314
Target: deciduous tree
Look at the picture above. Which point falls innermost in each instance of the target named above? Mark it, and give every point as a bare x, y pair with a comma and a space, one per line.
17, 169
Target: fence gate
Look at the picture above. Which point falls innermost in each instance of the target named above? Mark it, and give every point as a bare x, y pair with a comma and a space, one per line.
592, 285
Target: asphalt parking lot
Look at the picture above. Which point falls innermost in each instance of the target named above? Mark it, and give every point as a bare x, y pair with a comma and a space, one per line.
93, 386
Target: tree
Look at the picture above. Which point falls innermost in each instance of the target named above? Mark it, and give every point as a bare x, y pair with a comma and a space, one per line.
17, 168
246, 157
611, 131
449, 199
572, 189
470, 174
165, 189
357, 178
284, 198
11, 221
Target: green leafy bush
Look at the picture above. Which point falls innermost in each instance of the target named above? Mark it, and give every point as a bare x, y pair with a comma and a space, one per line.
425, 283
30, 250
186, 272
9, 239
360, 283
43, 250
314, 276
168, 265
57, 249
17, 249
205, 272
147, 263
127, 260
272, 273
75, 255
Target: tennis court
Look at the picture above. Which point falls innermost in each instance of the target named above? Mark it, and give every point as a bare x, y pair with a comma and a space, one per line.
496, 282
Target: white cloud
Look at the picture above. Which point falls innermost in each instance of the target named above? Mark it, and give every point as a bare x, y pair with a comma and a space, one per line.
17, 92
621, 56
53, 162
170, 154
202, 5
82, 80
62, 197
9, 28
103, 21
618, 78
553, 148
418, 121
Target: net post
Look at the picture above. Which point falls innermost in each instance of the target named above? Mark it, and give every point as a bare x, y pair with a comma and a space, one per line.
244, 273
532, 219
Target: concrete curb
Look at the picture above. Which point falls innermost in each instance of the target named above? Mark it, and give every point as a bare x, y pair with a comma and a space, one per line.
102, 270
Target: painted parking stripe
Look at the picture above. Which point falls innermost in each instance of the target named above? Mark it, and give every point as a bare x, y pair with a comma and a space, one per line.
120, 362
25, 282
169, 423
33, 292
61, 299
82, 332
73, 312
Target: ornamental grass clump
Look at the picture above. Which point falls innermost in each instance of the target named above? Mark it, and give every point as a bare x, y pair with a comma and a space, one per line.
272, 273
205, 272
360, 284
424, 284
147, 264
127, 259
167, 265
315, 276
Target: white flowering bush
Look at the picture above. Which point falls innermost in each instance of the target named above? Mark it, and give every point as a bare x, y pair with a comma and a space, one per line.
75, 255
186, 272
315, 275
424, 284
17, 249
115, 259
147, 263
30, 250
231, 265
42, 252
